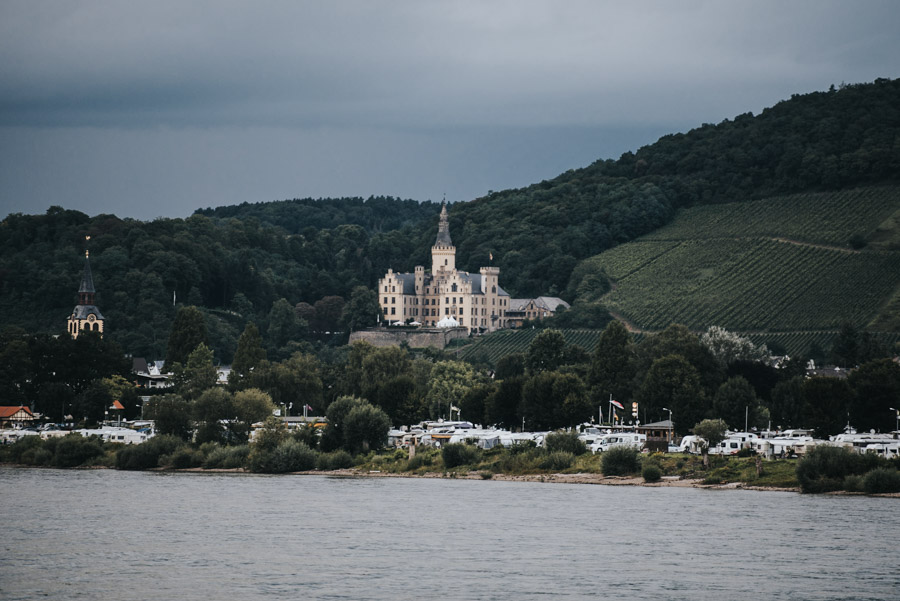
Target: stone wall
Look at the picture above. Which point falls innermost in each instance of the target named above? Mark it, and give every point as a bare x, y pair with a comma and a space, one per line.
417, 338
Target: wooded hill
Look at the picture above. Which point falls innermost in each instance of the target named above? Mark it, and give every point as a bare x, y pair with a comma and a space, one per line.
236, 262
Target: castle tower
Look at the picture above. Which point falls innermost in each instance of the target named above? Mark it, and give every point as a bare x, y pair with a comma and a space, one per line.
443, 253
86, 317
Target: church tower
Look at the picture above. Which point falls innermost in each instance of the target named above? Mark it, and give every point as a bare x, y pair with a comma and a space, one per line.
86, 317
443, 253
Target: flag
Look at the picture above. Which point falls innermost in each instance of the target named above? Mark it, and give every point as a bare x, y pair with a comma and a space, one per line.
452, 408
617, 404
308, 408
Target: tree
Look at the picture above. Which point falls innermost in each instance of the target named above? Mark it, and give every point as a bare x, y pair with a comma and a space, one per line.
284, 326
248, 356
337, 412
171, 415
845, 350
365, 427
250, 406
450, 380
552, 400
827, 402
728, 347
736, 402
510, 366
198, 375
876, 389
210, 410
678, 340
673, 383
501, 408
328, 312
93, 403
713, 432
788, 406
612, 365
472, 404
188, 331
545, 353
363, 309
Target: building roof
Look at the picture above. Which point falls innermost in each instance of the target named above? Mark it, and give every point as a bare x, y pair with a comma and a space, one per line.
409, 282
551, 303
443, 235
518, 304
9, 411
82, 312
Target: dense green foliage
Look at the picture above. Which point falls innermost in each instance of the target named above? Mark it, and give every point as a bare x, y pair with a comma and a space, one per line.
621, 461
825, 469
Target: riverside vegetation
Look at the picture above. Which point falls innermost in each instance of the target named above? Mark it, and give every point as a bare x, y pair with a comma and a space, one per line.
823, 469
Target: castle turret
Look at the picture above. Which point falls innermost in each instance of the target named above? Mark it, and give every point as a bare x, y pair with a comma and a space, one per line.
86, 316
443, 253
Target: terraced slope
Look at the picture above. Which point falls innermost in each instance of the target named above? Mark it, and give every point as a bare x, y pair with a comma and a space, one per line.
782, 265
506, 342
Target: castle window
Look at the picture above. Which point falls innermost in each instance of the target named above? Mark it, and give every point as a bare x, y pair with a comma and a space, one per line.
493, 290
393, 310
385, 300
446, 310
445, 261
453, 288
393, 300
393, 289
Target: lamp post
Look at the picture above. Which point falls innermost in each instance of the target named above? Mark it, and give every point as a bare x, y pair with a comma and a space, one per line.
897, 416
671, 425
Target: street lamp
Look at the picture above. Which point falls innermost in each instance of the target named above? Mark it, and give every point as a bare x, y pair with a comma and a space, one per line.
897, 414
671, 425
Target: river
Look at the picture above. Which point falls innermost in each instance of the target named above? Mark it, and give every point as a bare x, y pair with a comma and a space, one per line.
105, 534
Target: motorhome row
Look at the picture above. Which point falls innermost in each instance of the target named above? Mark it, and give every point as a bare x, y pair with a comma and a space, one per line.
770, 444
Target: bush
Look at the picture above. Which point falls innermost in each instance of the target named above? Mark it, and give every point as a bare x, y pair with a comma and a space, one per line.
227, 457
558, 460
14, 452
457, 454
564, 441
824, 468
289, 456
620, 461
338, 460
183, 458
146, 455
651, 473
74, 450
881, 480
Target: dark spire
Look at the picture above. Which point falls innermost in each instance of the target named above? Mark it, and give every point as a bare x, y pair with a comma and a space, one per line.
86, 291
443, 235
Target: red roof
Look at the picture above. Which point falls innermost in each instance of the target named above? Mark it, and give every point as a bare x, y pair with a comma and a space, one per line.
117, 405
10, 411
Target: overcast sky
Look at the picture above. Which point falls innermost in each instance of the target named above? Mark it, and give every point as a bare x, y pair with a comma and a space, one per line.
148, 109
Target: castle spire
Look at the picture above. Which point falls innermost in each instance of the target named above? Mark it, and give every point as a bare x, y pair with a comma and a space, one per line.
443, 235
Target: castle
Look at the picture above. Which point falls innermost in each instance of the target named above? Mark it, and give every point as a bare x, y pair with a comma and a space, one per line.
445, 297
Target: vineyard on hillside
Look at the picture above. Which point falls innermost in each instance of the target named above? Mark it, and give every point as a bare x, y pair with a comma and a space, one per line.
497, 345
755, 285
799, 343
831, 218
780, 269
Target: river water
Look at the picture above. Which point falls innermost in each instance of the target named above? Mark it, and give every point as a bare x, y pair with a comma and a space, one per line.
105, 534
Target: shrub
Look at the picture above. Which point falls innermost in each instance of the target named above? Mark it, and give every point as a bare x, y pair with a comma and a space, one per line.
651, 473
74, 450
15, 451
558, 460
565, 441
227, 457
824, 468
146, 455
183, 458
457, 454
288, 456
521, 446
881, 479
620, 461
338, 460
853, 483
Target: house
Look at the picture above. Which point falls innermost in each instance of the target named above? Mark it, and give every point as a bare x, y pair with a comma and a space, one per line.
150, 374
12, 416
526, 309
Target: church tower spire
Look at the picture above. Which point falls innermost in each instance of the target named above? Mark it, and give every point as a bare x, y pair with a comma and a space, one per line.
86, 316
443, 253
